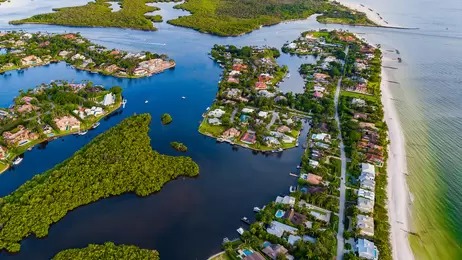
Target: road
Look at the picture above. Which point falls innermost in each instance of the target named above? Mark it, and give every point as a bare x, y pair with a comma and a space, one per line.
341, 213
275, 116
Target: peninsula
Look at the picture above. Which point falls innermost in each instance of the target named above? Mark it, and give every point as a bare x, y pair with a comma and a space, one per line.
107, 251
118, 161
20, 50
237, 17
337, 209
49, 111
249, 109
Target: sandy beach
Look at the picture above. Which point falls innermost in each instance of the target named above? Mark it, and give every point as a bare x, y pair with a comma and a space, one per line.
399, 207
372, 15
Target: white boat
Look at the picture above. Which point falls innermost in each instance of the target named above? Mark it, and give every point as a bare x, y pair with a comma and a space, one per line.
183, 97
124, 101
95, 125
256, 209
292, 189
240, 231
82, 132
288, 75
297, 144
17, 161
146, 101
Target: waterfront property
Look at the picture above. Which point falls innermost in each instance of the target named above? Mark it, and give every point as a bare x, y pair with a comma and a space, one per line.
24, 50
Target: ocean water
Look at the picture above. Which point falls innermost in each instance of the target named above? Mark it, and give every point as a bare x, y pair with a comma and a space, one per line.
195, 214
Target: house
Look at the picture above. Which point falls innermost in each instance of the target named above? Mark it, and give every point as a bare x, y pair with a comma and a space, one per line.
217, 113
239, 67
293, 239
2, 152
321, 137
320, 76
69, 36
260, 85
311, 178
67, 123
30, 60
375, 159
64, 54
283, 129
234, 73
313, 163
365, 205
111, 69
269, 140
366, 194
214, 121
249, 138
19, 136
254, 256
26, 108
360, 116
262, 114
78, 56
367, 168
367, 184
315, 211
231, 133
287, 200
265, 93
277, 228
247, 110
358, 102
365, 224
287, 139
109, 99
233, 93
366, 249
274, 250
292, 45
295, 217
233, 80
264, 77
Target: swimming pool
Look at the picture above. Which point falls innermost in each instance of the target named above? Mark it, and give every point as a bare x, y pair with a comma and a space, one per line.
279, 213
247, 252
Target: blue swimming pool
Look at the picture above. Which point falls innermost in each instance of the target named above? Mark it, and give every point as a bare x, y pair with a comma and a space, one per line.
247, 252
279, 213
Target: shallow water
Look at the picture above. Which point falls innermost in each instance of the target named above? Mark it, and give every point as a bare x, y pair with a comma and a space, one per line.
195, 214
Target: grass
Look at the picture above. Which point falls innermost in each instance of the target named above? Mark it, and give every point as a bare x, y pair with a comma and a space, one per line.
358, 95
207, 129
99, 14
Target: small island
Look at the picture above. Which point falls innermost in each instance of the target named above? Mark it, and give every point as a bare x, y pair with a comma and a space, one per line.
52, 110
166, 119
133, 14
20, 50
107, 251
119, 161
179, 146
249, 109
237, 17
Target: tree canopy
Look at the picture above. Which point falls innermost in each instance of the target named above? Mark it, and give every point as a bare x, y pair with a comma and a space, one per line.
108, 251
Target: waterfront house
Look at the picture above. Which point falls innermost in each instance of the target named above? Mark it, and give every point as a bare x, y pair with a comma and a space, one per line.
254, 256
78, 56
262, 114
69, 36
233, 80
315, 211
2, 152
313, 163
109, 99
216, 113
260, 85
365, 205
365, 224
247, 110
111, 69
283, 129
277, 228
360, 116
239, 67
19, 136
274, 250
214, 121
311, 178
367, 250
367, 184
286, 200
287, 139
67, 123
26, 108
270, 141
367, 168
293, 239
321, 137
249, 138
30, 60
231, 133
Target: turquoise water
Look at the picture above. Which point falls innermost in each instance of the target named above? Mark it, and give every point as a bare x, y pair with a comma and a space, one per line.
279, 213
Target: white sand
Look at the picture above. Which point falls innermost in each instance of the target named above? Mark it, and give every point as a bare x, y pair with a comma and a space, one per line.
398, 192
372, 15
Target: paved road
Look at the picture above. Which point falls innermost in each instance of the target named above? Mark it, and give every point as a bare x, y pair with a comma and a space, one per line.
231, 119
275, 116
341, 213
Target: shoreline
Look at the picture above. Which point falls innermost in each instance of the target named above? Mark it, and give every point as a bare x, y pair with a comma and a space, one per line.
371, 15
398, 199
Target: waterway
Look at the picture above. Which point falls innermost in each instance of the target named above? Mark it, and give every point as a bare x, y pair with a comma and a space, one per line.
195, 214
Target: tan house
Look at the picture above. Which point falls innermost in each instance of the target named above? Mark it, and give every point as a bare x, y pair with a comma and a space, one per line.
283, 129
67, 123
20, 135
30, 60
231, 133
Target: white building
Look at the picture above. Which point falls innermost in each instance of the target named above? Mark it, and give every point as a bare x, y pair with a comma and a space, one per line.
109, 99
217, 113
321, 137
288, 200
214, 121
263, 114
365, 205
247, 110
277, 228
366, 194
366, 249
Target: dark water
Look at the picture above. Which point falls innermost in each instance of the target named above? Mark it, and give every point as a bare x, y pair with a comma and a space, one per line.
189, 217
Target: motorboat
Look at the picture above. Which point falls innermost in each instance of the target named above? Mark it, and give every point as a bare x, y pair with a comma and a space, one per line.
17, 161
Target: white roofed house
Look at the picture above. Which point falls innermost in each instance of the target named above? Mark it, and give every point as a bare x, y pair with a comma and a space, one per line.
366, 194
365, 224
366, 249
216, 113
109, 99
365, 205
277, 228
288, 200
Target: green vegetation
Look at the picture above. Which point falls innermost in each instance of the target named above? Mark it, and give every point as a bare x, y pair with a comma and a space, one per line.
235, 17
118, 161
107, 251
179, 146
57, 109
24, 50
98, 13
166, 119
